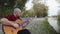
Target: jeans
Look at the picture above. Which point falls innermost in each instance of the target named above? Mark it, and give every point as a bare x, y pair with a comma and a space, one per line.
24, 31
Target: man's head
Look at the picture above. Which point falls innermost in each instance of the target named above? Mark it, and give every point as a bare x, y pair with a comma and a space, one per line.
17, 12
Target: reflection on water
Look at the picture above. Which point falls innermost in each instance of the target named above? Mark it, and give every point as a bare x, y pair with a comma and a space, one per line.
54, 23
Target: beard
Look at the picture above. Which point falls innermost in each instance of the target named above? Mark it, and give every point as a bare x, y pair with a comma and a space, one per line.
18, 17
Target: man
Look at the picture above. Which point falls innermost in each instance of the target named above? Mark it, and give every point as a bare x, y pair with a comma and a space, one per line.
16, 14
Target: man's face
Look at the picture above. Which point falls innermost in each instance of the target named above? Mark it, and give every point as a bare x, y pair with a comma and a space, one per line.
18, 13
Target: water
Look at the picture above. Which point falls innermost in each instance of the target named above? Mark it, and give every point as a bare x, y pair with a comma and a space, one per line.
54, 23
53, 11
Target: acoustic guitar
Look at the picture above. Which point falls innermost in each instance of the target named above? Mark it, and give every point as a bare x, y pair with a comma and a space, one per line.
11, 30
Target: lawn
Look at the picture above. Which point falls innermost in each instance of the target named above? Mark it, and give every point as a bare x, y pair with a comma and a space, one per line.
41, 27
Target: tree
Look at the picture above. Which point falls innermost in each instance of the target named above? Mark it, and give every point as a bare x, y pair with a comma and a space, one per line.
31, 13
21, 3
7, 6
40, 10
24, 12
35, 1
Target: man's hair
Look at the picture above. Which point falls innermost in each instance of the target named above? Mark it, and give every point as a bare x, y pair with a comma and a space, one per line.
17, 9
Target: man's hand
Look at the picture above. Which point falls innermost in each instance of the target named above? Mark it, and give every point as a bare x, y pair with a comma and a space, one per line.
26, 22
15, 25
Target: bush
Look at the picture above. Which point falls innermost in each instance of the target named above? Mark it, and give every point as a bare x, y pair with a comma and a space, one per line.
7, 6
31, 12
40, 10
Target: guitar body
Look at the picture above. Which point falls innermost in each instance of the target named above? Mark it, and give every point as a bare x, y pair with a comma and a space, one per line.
12, 30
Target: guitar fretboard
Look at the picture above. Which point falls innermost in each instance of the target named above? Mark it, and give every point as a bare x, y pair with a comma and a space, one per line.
24, 21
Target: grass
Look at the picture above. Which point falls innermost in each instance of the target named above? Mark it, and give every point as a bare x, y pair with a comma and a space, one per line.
41, 27
59, 20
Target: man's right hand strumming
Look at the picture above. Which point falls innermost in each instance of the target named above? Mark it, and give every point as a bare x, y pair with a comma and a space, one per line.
15, 25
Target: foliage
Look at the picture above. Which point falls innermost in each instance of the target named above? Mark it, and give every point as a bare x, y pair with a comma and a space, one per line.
21, 3
4, 4
5, 13
40, 10
35, 1
59, 18
31, 12
24, 12
7, 6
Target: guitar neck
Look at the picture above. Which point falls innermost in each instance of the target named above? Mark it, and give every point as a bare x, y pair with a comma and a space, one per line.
24, 21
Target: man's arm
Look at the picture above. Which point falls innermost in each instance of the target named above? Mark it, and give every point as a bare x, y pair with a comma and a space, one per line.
7, 22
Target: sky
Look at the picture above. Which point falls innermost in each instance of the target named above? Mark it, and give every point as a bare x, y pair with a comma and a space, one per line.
29, 4
52, 6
